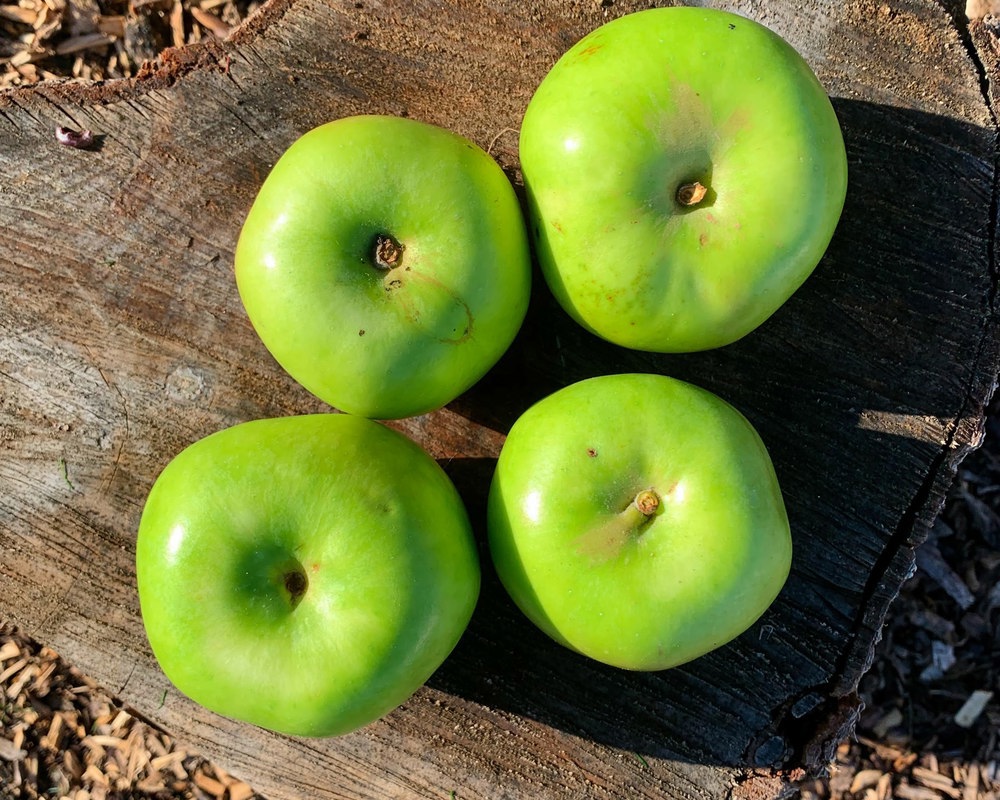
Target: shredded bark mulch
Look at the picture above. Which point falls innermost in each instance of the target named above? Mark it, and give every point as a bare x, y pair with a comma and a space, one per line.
62, 736
97, 40
932, 717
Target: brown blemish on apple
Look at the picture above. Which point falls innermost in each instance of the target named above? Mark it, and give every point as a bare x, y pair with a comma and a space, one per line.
557, 226
591, 452
462, 332
590, 50
703, 239
737, 121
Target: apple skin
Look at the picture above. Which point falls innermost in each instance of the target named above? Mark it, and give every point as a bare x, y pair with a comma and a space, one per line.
384, 571
385, 343
646, 104
638, 591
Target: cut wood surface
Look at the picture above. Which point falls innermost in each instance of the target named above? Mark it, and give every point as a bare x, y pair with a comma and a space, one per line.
122, 340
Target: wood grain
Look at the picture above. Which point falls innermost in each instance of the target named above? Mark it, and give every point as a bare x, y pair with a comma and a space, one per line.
122, 340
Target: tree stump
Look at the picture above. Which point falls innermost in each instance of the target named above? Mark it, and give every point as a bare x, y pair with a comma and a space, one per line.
122, 340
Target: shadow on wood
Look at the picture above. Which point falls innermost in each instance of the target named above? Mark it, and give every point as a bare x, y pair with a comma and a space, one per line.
869, 394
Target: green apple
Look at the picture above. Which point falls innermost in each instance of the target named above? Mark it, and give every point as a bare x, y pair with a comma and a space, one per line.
685, 172
304, 574
385, 264
637, 519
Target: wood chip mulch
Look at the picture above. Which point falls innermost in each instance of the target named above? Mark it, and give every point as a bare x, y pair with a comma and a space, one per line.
97, 40
932, 719
62, 737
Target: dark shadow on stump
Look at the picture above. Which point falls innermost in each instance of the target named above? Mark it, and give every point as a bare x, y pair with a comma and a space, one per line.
848, 384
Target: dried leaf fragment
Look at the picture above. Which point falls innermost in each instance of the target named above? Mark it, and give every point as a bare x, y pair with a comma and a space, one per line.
9, 751
907, 791
26, 16
864, 779
211, 23
81, 140
86, 41
931, 562
971, 709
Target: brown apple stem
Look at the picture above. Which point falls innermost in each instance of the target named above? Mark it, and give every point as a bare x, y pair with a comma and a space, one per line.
606, 541
690, 194
387, 252
646, 502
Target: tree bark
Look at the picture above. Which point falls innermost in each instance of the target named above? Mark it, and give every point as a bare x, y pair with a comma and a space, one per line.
122, 340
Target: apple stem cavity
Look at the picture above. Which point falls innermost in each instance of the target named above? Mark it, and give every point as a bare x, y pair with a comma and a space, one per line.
387, 253
690, 194
606, 541
296, 584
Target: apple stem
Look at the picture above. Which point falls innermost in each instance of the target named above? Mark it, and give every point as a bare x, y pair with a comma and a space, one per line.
647, 502
605, 542
690, 194
387, 252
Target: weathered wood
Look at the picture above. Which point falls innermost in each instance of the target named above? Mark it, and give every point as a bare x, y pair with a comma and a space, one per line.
122, 340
